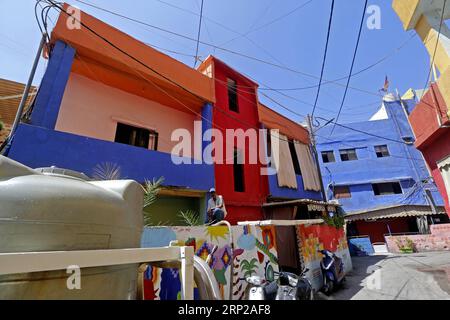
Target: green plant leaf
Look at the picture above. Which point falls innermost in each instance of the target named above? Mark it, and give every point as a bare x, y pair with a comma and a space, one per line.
107, 171
190, 217
151, 191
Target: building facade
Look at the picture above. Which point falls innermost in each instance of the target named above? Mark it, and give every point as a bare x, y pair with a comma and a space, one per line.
236, 111
373, 169
98, 109
430, 120
249, 187
109, 103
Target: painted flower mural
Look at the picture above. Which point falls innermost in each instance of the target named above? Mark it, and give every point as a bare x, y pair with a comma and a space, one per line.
252, 245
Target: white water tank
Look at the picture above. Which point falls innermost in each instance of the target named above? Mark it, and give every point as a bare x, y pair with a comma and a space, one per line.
57, 210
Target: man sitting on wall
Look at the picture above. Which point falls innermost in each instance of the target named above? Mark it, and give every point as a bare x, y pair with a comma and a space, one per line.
216, 207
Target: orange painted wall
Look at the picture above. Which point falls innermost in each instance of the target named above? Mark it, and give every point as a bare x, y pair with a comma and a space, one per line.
273, 120
93, 47
92, 109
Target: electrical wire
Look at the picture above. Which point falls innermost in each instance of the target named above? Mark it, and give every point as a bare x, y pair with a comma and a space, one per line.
362, 131
301, 6
225, 49
358, 147
353, 64
239, 119
198, 34
324, 58
386, 57
187, 90
225, 27
160, 88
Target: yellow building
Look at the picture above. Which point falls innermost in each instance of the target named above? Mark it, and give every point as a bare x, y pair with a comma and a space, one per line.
430, 119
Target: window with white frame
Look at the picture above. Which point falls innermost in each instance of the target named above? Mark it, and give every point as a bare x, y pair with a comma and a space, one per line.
348, 154
328, 156
382, 151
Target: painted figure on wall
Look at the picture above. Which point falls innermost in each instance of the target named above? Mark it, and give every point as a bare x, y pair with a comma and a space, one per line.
253, 252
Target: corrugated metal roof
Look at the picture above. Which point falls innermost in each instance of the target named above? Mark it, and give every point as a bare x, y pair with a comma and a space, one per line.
393, 212
10, 95
313, 205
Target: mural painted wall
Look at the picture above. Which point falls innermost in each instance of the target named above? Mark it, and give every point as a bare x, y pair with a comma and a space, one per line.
253, 248
313, 238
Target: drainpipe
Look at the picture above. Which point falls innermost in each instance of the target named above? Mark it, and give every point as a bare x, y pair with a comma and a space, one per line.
25, 94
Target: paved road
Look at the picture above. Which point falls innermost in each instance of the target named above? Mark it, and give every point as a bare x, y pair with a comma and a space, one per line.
398, 277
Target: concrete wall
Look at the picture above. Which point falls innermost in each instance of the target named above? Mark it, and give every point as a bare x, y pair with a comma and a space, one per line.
40, 147
245, 205
92, 109
438, 240
287, 193
166, 210
435, 152
405, 163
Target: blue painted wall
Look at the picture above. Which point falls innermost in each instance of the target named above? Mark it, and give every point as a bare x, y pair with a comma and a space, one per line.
405, 163
360, 246
39, 147
53, 85
287, 193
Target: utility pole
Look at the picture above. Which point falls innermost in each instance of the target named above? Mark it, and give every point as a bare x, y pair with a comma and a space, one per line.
316, 156
24, 99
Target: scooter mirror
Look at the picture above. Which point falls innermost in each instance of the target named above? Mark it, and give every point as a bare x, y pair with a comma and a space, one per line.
255, 280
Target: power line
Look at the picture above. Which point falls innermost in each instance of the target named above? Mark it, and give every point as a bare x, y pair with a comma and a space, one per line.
198, 34
126, 53
225, 49
386, 57
353, 64
355, 147
182, 87
361, 131
324, 57
271, 21
148, 80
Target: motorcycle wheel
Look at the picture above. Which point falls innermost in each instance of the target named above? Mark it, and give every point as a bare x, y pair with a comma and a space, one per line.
328, 286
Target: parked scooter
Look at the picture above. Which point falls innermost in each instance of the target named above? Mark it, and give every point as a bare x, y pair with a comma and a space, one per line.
333, 271
288, 286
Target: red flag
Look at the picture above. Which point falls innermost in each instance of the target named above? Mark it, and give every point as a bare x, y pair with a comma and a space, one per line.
386, 85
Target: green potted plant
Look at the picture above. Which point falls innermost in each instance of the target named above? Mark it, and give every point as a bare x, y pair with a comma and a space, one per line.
405, 245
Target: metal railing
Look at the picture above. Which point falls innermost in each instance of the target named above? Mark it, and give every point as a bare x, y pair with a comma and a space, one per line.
27, 262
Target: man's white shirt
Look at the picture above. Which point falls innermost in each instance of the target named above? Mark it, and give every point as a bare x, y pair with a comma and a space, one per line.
219, 202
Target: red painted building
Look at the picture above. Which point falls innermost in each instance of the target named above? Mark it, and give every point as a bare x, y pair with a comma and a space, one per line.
431, 124
242, 186
430, 119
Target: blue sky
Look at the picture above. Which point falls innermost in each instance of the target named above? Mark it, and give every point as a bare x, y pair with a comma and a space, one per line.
296, 41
